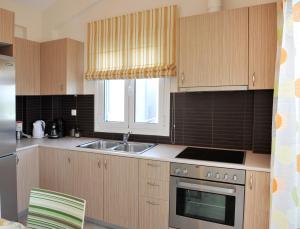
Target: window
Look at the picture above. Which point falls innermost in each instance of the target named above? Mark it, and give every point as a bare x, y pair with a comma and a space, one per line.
141, 106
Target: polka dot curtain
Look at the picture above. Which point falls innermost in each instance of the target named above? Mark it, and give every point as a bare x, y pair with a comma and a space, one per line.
285, 205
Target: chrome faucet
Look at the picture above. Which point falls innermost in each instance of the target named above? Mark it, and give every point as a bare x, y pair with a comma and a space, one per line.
126, 137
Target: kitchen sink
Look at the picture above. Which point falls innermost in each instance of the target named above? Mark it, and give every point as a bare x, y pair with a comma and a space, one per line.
110, 145
134, 148
101, 144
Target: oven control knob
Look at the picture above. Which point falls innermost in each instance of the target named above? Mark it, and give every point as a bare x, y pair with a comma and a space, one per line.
217, 175
185, 171
177, 171
225, 176
209, 174
234, 177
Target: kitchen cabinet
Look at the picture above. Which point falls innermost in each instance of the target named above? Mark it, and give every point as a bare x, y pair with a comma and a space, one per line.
61, 67
214, 50
257, 200
262, 46
121, 191
75, 173
27, 54
56, 171
7, 27
153, 194
27, 176
88, 171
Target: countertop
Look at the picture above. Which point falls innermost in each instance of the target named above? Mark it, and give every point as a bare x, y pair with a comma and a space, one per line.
161, 152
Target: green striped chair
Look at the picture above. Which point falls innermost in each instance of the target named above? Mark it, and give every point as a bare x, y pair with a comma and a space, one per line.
53, 210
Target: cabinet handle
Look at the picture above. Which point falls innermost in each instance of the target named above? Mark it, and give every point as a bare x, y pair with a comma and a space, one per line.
182, 77
153, 184
253, 79
152, 203
152, 165
69, 160
99, 164
251, 182
105, 164
17, 159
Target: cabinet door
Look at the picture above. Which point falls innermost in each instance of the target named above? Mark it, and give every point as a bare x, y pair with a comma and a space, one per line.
262, 46
257, 200
214, 49
27, 55
27, 175
56, 170
88, 171
7, 26
121, 191
53, 67
153, 213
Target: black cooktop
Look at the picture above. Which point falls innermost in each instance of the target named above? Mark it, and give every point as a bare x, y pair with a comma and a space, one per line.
217, 155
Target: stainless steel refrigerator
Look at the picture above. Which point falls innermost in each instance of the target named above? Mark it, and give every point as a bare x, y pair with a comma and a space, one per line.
8, 177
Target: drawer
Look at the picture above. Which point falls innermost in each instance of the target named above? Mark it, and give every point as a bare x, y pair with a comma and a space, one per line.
154, 188
153, 214
155, 170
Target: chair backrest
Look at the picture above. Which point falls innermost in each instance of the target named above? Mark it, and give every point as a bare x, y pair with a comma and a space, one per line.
53, 210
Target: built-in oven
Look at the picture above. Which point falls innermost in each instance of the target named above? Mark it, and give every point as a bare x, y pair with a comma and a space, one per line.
204, 197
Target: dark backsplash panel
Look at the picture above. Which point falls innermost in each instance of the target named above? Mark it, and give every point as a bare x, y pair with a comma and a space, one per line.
235, 119
48, 108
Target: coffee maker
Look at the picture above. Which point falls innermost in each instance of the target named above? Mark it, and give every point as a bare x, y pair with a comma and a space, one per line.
55, 129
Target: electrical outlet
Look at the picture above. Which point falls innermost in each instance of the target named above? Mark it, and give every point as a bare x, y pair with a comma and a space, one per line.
74, 112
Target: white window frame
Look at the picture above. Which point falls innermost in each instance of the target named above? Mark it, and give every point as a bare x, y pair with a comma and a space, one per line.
162, 128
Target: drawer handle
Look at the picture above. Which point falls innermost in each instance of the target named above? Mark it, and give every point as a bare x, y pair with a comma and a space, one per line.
99, 164
152, 203
153, 184
69, 160
153, 165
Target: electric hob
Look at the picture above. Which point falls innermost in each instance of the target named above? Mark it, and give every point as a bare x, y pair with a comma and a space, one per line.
216, 155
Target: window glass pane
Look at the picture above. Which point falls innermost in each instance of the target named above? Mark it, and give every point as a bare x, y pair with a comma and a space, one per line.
114, 93
146, 100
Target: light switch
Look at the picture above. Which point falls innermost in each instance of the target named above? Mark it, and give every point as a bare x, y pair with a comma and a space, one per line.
73, 112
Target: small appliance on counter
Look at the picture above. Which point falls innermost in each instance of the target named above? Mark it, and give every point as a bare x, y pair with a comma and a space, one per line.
55, 129
19, 129
38, 129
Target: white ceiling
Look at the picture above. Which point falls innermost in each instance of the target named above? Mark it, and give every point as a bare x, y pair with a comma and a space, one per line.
38, 4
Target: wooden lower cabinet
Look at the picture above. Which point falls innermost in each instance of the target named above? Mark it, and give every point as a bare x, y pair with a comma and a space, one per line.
27, 176
88, 172
257, 200
154, 179
153, 213
121, 191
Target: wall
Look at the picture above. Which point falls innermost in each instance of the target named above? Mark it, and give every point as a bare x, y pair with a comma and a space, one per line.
27, 17
237, 119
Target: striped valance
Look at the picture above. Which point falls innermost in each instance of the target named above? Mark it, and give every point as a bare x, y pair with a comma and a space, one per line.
138, 45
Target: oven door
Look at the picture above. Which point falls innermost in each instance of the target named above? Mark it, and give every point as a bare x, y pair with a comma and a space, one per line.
198, 204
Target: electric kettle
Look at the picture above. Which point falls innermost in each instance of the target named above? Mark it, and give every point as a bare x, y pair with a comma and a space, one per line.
38, 129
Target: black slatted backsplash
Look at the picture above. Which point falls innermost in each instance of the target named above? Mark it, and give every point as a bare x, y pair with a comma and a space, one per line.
235, 119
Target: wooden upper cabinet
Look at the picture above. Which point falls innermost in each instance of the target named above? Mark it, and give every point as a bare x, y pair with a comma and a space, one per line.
27, 55
262, 46
7, 27
62, 67
257, 200
214, 49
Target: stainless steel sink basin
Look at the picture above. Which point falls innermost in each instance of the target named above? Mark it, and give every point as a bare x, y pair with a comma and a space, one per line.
134, 148
110, 145
101, 144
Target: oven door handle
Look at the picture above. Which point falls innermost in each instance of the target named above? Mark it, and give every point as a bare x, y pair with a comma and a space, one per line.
206, 188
